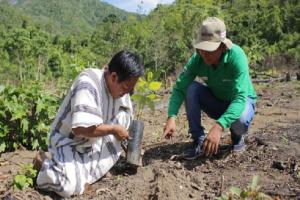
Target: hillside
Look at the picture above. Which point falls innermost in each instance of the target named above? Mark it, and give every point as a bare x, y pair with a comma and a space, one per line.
10, 16
71, 16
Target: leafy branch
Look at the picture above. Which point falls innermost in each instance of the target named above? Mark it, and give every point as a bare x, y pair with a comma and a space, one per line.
145, 93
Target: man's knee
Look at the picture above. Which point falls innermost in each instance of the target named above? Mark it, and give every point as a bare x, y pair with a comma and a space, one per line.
239, 127
193, 87
67, 190
194, 90
56, 181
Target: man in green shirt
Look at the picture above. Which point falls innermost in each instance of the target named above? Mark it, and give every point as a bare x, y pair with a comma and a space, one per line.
227, 94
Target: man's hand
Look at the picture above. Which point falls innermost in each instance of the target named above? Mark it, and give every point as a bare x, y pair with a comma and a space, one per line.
212, 140
169, 128
120, 132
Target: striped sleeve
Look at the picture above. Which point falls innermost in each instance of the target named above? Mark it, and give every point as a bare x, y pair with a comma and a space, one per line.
84, 102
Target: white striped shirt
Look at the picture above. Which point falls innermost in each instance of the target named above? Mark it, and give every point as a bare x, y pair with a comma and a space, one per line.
77, 161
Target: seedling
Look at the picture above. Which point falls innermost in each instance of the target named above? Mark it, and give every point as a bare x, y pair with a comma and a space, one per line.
25, 177
285, 139
250, 192
119, 178
145, 93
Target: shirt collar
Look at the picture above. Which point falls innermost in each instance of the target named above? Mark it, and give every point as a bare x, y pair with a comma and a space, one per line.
225, 56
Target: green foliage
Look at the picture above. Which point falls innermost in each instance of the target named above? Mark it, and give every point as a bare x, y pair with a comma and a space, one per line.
26, 112
249, 193
55, 64
25, 177
58, 16
285, 139
51, 41
46, 41
11, 17
145, 93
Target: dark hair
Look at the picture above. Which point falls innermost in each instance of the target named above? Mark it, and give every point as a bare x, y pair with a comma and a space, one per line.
126, 65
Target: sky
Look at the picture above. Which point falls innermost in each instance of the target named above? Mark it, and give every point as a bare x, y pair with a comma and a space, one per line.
133, 5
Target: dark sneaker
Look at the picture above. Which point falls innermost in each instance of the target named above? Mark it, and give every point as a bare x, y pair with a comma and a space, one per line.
195, 151
240, 146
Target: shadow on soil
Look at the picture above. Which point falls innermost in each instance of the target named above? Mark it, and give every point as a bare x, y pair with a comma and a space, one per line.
176, 152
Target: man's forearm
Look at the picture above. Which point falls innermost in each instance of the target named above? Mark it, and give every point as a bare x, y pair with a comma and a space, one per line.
93, 131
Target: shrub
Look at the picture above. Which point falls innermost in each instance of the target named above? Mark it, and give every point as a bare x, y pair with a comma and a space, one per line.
26, 112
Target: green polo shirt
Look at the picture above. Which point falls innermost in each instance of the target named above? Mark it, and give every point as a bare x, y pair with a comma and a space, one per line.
229, 81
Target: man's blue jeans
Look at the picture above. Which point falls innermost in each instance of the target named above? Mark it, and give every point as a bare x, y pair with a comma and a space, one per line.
200, 98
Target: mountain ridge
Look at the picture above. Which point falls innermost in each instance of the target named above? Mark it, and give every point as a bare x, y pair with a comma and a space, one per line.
69, 16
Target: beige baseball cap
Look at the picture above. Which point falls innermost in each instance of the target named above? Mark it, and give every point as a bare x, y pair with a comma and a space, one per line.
212, 33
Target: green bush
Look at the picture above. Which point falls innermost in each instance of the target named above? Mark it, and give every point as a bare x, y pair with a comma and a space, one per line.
26, 112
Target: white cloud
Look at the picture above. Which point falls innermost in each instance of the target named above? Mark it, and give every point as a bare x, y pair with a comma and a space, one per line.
134, 5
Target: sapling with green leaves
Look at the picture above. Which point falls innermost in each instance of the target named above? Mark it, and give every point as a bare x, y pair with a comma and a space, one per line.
251, 192
24, 177
145, 93
285, 139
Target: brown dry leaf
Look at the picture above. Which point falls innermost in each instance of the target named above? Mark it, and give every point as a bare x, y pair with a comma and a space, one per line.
88, 189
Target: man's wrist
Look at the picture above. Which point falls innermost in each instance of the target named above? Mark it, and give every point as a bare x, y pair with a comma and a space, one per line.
220, 126
172, 117
114, 130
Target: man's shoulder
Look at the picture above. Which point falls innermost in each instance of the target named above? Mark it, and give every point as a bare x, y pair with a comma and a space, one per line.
236, 53
236, 50
97, 71
193, 63
91, 73
195, 57
125, 102
91, 76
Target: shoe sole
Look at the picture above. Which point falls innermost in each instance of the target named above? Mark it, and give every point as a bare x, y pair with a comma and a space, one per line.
239, 149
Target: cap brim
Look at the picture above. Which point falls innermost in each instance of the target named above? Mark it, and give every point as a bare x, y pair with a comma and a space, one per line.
207, 45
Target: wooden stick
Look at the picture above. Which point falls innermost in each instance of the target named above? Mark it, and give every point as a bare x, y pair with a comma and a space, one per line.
222, 185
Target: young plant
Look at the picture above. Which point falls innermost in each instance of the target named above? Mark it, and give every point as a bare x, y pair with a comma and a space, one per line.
25, 177
145, 93
119, 178
285, 139
249, 193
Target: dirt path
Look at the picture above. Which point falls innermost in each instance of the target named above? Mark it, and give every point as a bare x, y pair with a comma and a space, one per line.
273, 153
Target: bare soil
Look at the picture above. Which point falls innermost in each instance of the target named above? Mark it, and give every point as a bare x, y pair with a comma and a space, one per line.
273, 153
